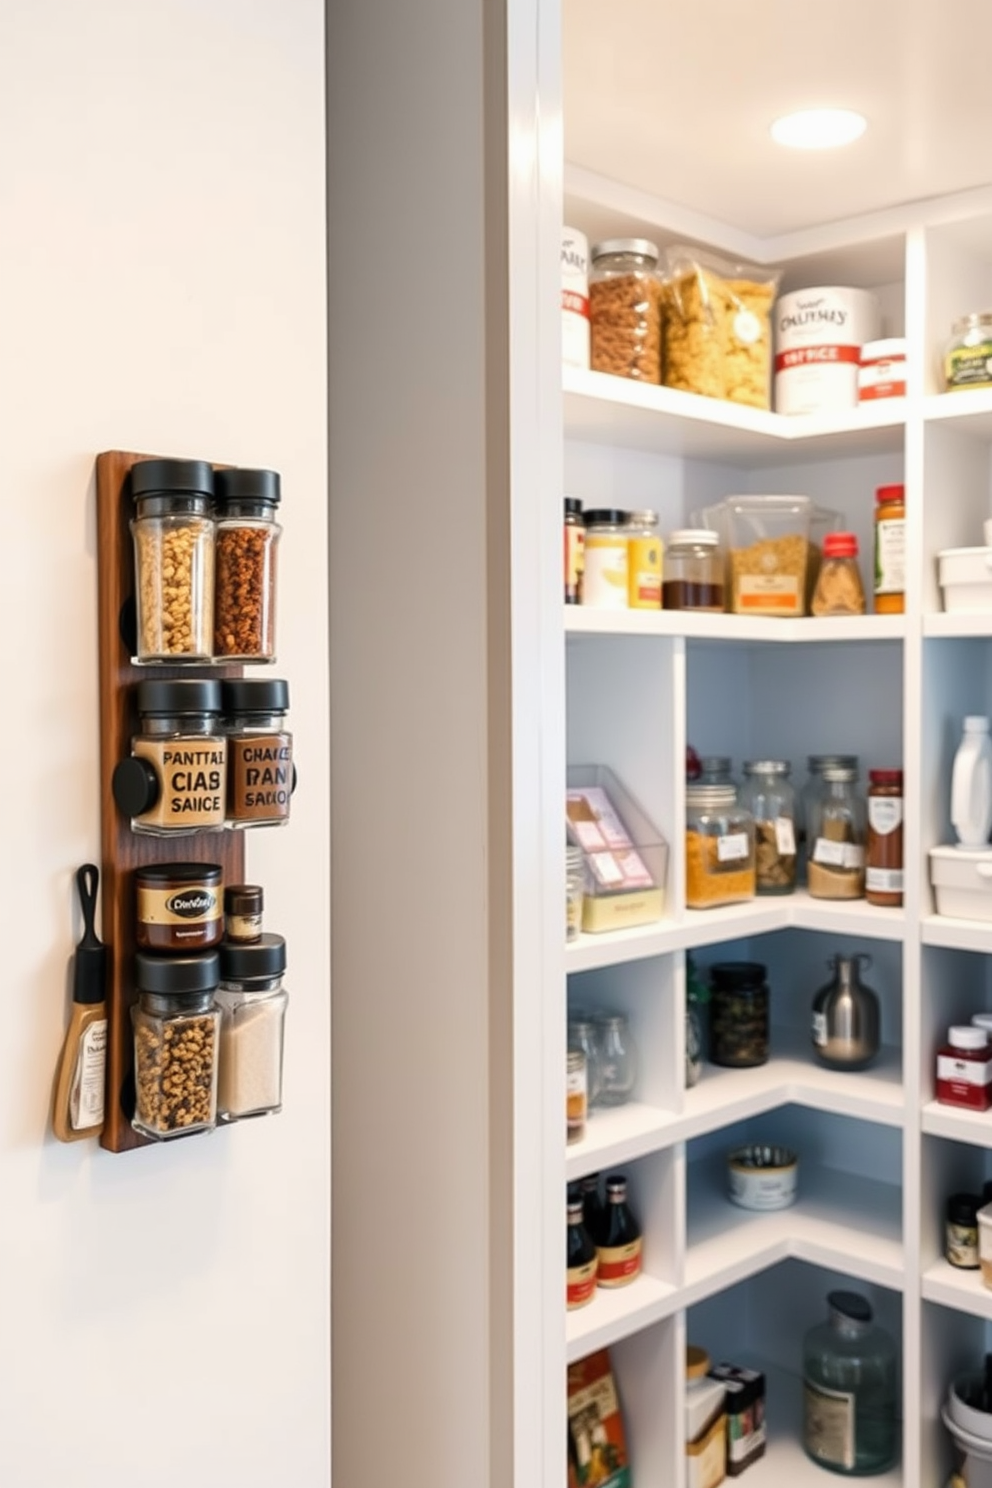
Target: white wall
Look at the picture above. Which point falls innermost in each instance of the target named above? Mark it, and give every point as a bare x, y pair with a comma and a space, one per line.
163, 1315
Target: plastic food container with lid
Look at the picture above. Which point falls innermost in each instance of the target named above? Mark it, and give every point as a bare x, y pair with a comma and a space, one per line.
962, 881
176, 1025
606, 559
625, 309
769, 541
175, 779
965, 576
694, 572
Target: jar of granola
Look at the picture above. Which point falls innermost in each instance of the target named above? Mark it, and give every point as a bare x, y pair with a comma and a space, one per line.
719, 847
173, 532
176, 1027
625, 309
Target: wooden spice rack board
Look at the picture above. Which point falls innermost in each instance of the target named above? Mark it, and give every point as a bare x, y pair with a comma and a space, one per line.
123, 850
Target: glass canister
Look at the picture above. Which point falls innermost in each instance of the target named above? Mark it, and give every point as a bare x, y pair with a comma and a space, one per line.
836, 830
719, 847
260, 752
617, 1059
768, 795
643, 561
176, 1022
738, 1014
605, 559
968, 354
715, 769
625, 309
247, 549
850, 1390
815, 766
252, 1002
175, 779
583, 1034
694, 572
173, 532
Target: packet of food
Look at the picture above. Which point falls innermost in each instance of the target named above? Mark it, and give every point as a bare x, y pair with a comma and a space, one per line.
718, 326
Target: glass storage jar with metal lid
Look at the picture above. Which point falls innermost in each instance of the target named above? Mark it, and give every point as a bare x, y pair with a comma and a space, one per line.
617, 1058
715, 769
768, 795
260, 751
173, 532
694, 572
738, 1014
175, 779
252, 1001
968, 354
582, 1034
815, 766
247, 548
625, 309
605, 559
176, 1025
836, 830
719, 846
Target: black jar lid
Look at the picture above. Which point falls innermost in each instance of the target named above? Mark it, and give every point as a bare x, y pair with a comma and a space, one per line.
736, 976
177, 976
606, 517
263, 959
248, 485
190, 695
243, 899
573, 507
850, 1305
962, 1209
248, 695
165, 477
179, 873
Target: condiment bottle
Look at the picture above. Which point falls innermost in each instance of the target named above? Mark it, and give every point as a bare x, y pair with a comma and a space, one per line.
580, 1255
968, 354
617, 1238
890, 550
243, 913
176, 777
175, 1045
260, 779
252, 1002
838, 585
173, 531
575, 536
247, 543
964, 1069
79, 1085
605, 572
961, 1231
643, 561
883, 863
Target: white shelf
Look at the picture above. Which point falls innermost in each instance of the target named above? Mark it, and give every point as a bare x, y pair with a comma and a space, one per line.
586, 620
970, 409
957, 1124
620, 1135
614, 947
842, 1221
952, 1287
614, 410
957, 935
960, 626
617, 1312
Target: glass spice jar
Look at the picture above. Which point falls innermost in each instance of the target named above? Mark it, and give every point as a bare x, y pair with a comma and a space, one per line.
178, 907
173, 533
768, 795
836, 837
838, 586
738, 1014
252, 1002
605, 560
260, 780
890, 550
625, 297
694, 572
883, 867
961, 1231
175, 779
576, 1096
719, 847
247, 549
243, 904
176, 1023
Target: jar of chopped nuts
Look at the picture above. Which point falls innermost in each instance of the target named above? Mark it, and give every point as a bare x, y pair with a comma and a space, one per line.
176, 1026
247, 543
173, 531
625, 295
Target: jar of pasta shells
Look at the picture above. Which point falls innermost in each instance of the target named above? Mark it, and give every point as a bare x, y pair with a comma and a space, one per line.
173, 531
625, 297
768, 795
719, 847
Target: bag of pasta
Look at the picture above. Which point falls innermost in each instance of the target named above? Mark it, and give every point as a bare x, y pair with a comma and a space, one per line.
718, 327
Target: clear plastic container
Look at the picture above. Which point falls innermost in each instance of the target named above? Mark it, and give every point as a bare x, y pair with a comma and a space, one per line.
176, 1025
625, 296
173, 532
720, 864
694, 572
246, 554
836, 837
252, 1002
769, 542
617, 1059
768, 795
626, 857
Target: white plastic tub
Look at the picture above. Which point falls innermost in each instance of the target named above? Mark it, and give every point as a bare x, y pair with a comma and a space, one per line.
965, 576
962, 882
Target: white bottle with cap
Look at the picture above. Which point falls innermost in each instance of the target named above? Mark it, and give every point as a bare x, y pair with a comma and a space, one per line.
971, 785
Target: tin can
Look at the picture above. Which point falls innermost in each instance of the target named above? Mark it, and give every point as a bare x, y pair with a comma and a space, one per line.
819, 334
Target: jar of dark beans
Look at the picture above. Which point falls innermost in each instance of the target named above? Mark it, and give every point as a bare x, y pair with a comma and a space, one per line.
738, 1014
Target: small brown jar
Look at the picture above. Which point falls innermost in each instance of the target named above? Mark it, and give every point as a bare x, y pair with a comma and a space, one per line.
243, 913
883, 868
179, 907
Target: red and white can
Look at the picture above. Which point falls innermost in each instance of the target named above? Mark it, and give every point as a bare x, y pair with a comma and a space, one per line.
574, 298
819, 334
882, 371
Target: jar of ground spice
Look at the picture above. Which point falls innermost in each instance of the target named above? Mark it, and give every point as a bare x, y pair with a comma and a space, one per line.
175, 779
247, 545
176, 1024
173, 532
253, 1002
260, 752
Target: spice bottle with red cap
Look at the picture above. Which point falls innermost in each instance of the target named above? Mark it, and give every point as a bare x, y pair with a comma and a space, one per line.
839, 590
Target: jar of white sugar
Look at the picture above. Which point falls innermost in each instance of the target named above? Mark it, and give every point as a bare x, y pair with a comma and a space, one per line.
252, 1002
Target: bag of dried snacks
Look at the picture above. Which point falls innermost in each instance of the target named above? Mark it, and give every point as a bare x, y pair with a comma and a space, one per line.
718, 326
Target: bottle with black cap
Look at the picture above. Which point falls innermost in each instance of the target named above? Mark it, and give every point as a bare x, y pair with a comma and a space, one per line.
173, 532
175, 780
260, 779
247, 544
253, 1002
176, 1024
79, 1085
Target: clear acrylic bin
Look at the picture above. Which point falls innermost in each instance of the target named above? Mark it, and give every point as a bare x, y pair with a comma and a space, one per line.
625, 855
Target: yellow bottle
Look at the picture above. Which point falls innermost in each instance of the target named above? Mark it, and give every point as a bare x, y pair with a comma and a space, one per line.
79, 1087
643, 561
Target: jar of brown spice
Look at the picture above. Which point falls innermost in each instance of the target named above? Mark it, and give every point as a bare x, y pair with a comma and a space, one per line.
883, 870
260, 778
246, 549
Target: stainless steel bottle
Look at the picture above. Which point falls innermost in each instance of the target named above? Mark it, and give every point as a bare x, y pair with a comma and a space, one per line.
846, 1023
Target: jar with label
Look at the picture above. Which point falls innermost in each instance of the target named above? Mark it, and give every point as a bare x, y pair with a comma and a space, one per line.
968, 354
173, 532
575, 536
583, 1034
617, 1238
964, 1069
617, 1059
768, 795
575, 890
961, 1231
739, 1014
576, 1096
176, 1024
178, 907
644, 558
252, 1001
176, 778
838, 584
815, 766
574, 299
719, 847
580, 1254
606, 569
243, 905
260, 779
625, 297
247, 546
850, 1390
882, 369
694, 572
890, 550
883, 869
836, 834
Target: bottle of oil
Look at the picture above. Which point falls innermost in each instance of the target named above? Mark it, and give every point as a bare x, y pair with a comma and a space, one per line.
618, 1237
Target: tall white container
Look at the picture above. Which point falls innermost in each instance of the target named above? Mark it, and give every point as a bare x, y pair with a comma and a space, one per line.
971, 785
819, 334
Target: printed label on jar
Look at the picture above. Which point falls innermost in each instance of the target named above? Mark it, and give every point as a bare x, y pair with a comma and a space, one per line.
644, 570
964, 1071
192, 774
969, 366
193, 906
604, 576
838, 854
829, 1424
820, 1030
86, 1096
785, 836
962, 1246
581, 1284
260, 777
772, 594
884, 814
618, 1264
733, 847
884, 880
890, 556
882, 379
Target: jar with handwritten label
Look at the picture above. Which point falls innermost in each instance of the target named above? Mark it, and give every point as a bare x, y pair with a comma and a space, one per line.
836, 836
175, 780
719, 847
769, 797
260, 752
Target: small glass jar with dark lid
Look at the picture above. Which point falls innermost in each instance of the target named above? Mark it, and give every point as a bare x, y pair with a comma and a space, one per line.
175, 779
260, 777
243, 905
178, 907
738, 1014
253, 1002
247, 548
173, 532
176, 1023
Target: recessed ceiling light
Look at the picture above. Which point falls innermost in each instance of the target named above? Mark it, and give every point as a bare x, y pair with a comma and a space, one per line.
819, 129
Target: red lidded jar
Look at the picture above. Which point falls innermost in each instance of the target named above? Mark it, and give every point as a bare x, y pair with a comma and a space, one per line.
964, 1069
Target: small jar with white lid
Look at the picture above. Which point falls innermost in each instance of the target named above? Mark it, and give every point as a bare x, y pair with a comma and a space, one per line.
968, 354
605, 574
625, 309
252, 1001
694, 572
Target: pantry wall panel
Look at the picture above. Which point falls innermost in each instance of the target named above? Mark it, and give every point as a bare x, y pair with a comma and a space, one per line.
959, 282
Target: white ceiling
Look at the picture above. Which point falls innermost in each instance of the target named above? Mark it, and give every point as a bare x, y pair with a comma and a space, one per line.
676, 99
